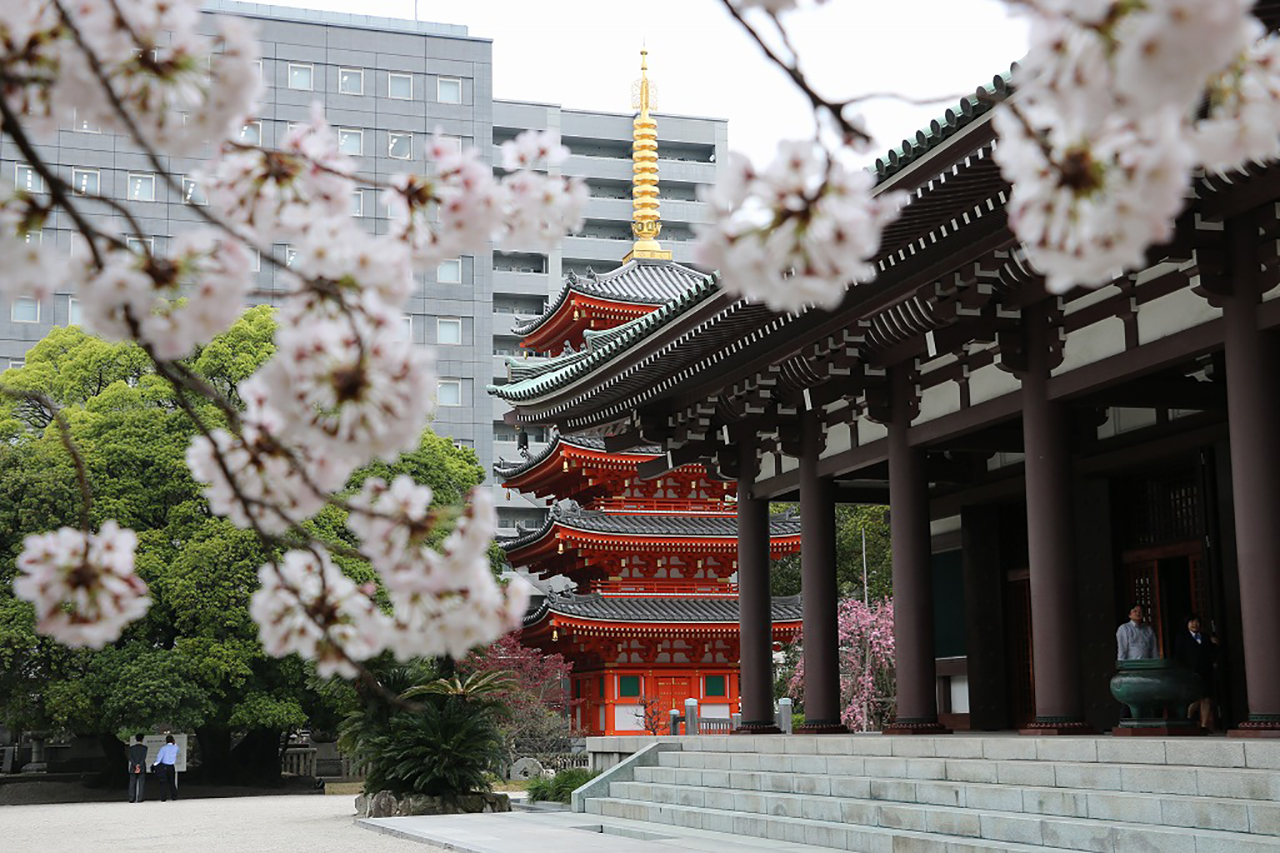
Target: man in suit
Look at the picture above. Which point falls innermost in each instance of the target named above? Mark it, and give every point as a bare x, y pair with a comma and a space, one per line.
137, 769
1198, 653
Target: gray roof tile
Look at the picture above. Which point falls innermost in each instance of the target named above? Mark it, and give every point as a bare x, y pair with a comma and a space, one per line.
654, 609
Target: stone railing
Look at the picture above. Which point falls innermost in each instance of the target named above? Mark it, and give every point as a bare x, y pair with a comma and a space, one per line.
299, 761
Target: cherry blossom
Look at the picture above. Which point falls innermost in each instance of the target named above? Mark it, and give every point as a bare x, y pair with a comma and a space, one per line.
1243, 118
797, 234
532, 149
307, 605
1087, 210
136, 295
82, 584
349, 383
867, 654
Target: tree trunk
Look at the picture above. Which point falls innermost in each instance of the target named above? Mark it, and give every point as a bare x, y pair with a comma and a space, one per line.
116, 772
257, 756
216, 765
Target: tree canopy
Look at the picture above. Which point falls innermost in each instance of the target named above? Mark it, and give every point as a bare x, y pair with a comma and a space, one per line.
194, 661
851, 521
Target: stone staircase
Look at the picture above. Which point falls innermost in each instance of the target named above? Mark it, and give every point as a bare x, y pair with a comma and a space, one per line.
957, 794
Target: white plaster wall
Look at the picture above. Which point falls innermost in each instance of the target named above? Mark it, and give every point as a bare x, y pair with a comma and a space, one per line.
788, 463
626, 718
839, 439
1092, 343
990, 382
715, 712
959, 694
869, 431
1173, 313
939, 400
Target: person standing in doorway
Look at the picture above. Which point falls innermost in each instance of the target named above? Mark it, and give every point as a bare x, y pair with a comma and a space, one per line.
166, 768
137, 769
1134, 639
1198, 653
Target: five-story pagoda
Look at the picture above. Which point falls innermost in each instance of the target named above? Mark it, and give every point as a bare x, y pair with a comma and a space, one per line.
653, 620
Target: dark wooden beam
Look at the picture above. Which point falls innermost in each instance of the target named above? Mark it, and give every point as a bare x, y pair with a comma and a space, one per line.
1159, 393
623, 441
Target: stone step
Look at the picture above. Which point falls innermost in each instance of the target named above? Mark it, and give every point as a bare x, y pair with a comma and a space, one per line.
852, 797
913, 829
1206, 752
722, 769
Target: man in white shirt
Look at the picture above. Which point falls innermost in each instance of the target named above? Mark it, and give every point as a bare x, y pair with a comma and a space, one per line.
166, 768
1135, 640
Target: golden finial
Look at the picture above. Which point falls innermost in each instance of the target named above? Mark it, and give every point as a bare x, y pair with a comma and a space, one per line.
646, 222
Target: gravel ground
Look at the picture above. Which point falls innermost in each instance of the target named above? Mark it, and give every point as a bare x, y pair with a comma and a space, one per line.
239, 825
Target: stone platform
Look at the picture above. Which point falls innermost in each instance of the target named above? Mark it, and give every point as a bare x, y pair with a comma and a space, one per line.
952, 794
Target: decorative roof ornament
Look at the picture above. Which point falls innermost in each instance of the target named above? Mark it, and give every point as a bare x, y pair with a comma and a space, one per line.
646, 222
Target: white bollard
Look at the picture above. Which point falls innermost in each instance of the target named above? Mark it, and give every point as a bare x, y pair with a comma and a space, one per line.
784, 715
691, 716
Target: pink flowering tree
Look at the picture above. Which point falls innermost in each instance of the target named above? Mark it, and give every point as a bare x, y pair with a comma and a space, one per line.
344, 388
868, 688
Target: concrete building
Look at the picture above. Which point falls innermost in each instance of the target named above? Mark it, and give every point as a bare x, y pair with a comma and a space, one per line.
387, 84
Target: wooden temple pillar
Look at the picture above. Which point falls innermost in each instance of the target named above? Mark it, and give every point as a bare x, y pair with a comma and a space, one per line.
1252, 361
755, 612
1054, 624
912, 566
818, 584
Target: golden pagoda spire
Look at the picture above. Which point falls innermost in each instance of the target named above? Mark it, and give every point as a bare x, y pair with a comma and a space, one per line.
646, 222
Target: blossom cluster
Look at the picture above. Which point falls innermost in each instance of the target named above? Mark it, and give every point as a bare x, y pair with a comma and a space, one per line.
1116, 104
343, 386
868, 688
799, 232
82, 584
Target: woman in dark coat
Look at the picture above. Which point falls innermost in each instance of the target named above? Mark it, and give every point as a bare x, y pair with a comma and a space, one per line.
1198, 653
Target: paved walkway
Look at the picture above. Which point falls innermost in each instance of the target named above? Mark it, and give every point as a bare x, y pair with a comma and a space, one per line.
316, 824
566, 832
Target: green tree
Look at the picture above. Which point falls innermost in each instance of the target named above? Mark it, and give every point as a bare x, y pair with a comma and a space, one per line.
852, 520
194, 661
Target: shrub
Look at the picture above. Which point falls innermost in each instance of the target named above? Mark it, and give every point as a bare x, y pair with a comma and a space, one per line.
559, 788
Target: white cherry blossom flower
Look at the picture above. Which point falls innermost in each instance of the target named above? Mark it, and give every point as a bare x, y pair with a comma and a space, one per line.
799, 233
348, 384
532, 149
1243, 119
307, 605
136, 294
541, 209
1087, 210
82, 584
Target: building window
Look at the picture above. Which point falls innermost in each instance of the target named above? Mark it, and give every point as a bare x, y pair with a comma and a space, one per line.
24, 310
449, 392
400, 146
350, 81
350, 141
628, 686
452, 143
448, 330
74, 317
602, 689
290, 255
85, 181
17, 363
406, 321
191, 192
400, 86
142, 187
251, 133
450, 271
357, 203
301, 76
141, 245
257, 67
715, 686
27, 178
255, 260
449, 90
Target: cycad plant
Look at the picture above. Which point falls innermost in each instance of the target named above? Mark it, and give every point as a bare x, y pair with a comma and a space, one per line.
444, 741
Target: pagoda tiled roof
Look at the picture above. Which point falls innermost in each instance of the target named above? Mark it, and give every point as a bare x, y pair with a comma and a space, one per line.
682, 525
637, 282
522, 368
506, 469
606, 608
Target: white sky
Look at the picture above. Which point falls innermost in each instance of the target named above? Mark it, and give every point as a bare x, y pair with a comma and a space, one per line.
585, 54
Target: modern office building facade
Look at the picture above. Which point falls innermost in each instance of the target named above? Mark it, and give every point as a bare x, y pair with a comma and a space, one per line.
386, 85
